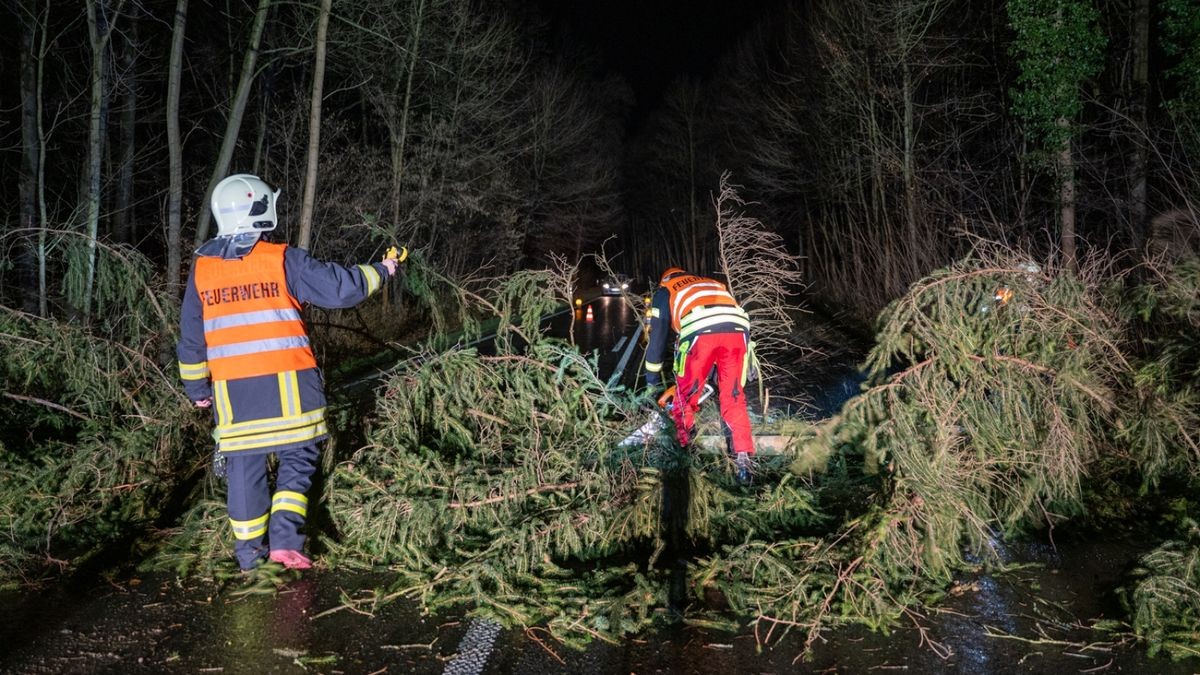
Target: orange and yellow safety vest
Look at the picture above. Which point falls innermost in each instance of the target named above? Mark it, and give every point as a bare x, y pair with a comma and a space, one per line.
252, 324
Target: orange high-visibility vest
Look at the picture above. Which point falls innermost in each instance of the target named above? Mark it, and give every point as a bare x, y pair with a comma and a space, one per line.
252, 324
688, 292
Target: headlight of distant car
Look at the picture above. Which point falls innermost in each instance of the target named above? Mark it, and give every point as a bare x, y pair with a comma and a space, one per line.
624, 287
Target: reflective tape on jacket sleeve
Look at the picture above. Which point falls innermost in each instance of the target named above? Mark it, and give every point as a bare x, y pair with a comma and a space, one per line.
372, 277
193, 371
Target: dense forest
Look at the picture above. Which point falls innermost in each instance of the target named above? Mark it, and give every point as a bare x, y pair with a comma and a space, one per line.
905, 157
879, 138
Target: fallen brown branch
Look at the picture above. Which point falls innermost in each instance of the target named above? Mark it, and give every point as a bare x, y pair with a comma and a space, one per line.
520, 495
48, 404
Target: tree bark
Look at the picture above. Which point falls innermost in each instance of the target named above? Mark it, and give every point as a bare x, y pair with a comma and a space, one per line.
910, 173
234, 123
100, 26
122, 224
1066, 198
400, 136
43, 49
175, 148
28, 256
314, 129
1141, 76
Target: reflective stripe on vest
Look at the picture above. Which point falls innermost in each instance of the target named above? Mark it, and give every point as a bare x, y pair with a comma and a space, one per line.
252, 324
702, 318
691, 292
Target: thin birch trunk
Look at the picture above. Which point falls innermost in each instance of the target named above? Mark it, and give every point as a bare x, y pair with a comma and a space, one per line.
234, 123
100, 26
175, 147
122, 225
314, 129
43, 50
399, 141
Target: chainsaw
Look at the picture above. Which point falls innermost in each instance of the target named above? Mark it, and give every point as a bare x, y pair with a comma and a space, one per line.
399, 255
658, 418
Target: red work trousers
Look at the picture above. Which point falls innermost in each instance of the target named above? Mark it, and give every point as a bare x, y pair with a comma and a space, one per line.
727, 351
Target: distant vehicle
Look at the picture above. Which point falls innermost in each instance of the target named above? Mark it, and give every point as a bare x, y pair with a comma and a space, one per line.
615, 285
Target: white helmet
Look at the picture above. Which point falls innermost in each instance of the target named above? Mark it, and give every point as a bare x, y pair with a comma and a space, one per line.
243, 203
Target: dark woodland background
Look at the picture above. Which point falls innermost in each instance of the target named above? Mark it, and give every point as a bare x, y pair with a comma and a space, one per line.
880, 138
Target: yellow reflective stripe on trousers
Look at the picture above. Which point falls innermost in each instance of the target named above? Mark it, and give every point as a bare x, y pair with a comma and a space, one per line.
268, 440
289, 394
372, 277
286, 500
653, 367
193, 371
249, 529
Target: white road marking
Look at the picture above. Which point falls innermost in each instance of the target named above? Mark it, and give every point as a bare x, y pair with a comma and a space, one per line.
474, 648
620, 369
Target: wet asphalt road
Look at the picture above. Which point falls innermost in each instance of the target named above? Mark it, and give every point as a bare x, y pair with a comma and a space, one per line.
156, 623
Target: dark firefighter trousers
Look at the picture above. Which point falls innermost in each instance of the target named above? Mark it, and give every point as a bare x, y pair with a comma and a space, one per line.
264, 521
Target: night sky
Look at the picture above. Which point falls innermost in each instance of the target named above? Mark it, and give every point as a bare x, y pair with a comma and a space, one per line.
651, 43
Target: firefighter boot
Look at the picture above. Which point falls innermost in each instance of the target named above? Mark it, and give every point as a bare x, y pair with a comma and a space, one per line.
292, 560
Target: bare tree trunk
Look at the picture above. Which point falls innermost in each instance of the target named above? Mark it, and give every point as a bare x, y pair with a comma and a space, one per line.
122, 225
234, 123
399, 139
1141, 76
314, 129
100, 26
910, 177
175, 147
265, 97
29, 258
43, 49
1066, 198
693, 230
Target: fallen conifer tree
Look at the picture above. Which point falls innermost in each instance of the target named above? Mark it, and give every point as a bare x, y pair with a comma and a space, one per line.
95, 434
1003, 394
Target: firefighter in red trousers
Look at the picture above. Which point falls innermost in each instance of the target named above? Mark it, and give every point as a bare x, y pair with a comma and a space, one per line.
712, 330
244, 351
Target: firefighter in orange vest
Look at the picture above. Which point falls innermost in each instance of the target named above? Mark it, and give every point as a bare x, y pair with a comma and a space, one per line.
244, 352
712, 330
